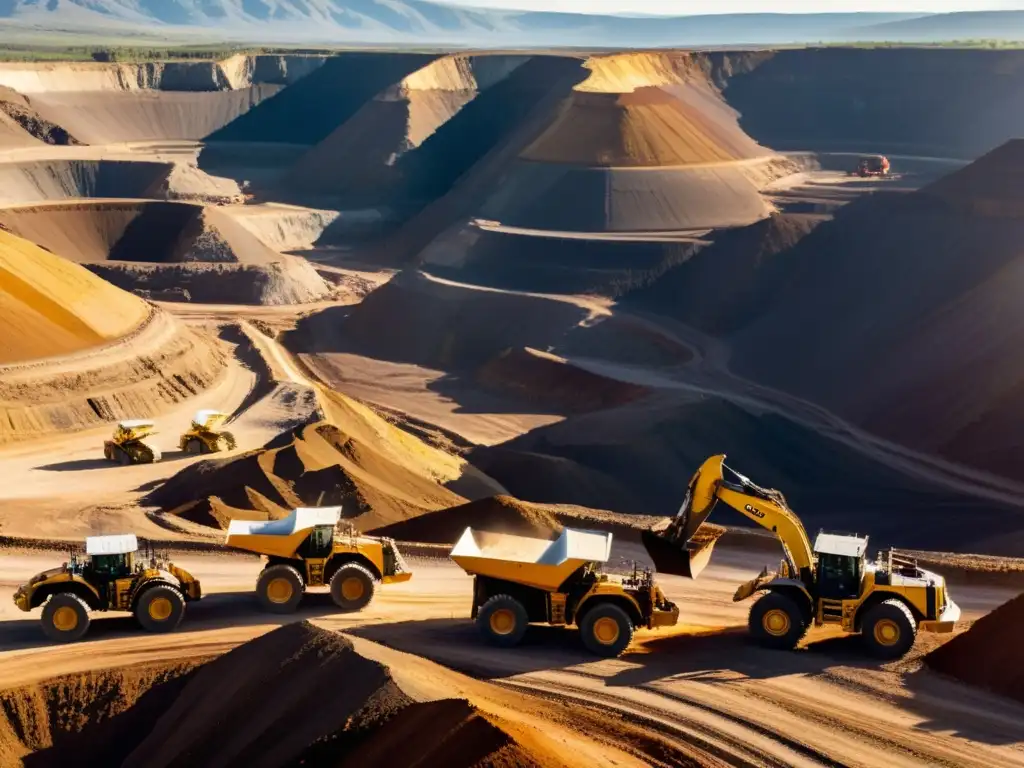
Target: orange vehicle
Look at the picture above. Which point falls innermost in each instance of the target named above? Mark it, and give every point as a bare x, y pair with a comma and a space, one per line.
872, 165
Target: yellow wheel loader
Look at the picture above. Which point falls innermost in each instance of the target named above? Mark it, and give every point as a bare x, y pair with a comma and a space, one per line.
129, 446
519, 580
111, 577
205, 434
310, 549
887, 601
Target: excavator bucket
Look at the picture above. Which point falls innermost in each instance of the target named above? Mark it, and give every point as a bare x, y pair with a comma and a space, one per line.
687, 559
683, 546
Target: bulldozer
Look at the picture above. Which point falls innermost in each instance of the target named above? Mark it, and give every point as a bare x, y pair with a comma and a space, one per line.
831, 582
112, 576
205, 434
128, 444
310, 548
519, 580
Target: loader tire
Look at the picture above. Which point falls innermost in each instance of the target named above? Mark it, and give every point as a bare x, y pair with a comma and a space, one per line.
193, 447
889, 630
502, 620
160, 609
606, 630
352, 587
777, 622
279, 589
65, 618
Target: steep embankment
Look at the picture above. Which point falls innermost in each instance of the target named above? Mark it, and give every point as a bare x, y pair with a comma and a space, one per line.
101, 103
366, 154
352, 710
154, 246
926, 356
941, 103
51, 307
352, 458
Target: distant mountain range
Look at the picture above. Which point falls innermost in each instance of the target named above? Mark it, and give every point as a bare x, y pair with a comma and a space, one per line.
425, 22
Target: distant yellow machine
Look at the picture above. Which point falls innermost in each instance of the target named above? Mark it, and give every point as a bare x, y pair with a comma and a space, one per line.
128, 444
111, 577
832, 582
520, 580
307, 549
205, 434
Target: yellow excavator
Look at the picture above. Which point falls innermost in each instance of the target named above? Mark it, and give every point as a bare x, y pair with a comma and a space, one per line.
887, 601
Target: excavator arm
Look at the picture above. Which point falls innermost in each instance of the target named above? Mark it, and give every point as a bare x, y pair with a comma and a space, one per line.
679, 548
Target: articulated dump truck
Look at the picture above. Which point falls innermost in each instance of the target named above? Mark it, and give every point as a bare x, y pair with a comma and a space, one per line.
519, 580
832, 581
310, 549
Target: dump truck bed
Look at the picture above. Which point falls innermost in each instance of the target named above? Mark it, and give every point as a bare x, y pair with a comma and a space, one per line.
533, 562
279, 537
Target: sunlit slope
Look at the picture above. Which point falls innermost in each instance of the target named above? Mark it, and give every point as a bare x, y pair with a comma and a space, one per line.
50, 306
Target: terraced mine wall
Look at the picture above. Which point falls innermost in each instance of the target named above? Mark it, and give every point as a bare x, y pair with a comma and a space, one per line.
944, 103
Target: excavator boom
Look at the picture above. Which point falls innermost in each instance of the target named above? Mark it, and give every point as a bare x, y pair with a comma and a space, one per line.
683, 548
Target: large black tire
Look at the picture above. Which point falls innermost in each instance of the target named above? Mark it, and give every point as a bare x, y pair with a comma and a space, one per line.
606, 630
776, 621
194, 447
889, 630
279, 589
160, 608
352, 587
123, 457
65, 618
502, 620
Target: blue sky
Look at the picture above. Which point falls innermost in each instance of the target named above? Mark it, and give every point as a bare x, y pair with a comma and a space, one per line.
686, 7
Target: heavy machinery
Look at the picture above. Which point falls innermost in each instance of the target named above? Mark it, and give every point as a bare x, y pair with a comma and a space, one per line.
129, 446
205, 434
832, 582
519, 580
112, 576
870, 166
310, 549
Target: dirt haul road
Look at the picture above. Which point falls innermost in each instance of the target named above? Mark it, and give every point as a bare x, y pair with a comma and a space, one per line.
700, 684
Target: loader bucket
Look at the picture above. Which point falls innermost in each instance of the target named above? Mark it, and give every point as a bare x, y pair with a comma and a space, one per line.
684, 559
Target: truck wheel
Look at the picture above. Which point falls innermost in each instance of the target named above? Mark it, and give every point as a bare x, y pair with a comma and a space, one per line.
776, 621
352, 587
160, 609
123, 457
606, 630
279, 589
889, 630
193, 447
65, 618
502, 621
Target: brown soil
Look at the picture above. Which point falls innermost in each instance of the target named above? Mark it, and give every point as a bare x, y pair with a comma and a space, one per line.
37, 126
988, 654
49, 306
745, 265
416, 320
296, 696
538, 377
156, 246
355, 459
500, 514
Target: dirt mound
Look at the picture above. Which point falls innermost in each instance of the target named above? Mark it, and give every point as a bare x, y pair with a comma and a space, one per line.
744, 264
991, 186
169, 245
365, 155
416, 319
49, 306
533, 376
296, 696
31, 124
353, 458
501, 514
988, 654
